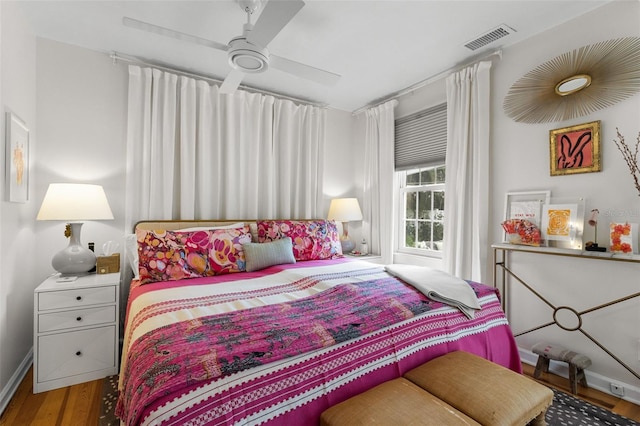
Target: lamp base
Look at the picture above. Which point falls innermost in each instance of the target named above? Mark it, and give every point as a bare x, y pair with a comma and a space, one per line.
74, 259
347, 245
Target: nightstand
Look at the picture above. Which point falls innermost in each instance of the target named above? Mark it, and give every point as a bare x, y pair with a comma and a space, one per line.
75, 325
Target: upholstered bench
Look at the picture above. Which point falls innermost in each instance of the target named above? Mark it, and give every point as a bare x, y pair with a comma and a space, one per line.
457, 388
577, 363
396, 402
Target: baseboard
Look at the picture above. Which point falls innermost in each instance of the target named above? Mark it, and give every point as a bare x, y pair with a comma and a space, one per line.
594, 380
14, 382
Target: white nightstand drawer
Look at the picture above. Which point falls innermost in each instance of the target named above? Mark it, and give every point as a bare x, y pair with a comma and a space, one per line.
76, 318
76, 298
68, 354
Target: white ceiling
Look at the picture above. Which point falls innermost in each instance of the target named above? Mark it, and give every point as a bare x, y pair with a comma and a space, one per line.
378, 47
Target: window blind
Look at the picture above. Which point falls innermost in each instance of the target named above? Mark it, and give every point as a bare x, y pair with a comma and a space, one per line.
421, 138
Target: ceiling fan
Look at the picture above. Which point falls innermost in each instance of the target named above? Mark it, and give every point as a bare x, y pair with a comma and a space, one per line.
248, 52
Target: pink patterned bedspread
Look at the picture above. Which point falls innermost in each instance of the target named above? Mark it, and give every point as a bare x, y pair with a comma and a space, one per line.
281, 345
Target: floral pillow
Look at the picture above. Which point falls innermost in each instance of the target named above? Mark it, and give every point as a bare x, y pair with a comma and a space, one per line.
312, 239
175, 255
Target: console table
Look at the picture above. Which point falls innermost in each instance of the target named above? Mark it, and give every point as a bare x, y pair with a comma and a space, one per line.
501, 269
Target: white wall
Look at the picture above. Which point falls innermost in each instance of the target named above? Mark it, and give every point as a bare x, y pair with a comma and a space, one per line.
82, 119
520, 162
19, 247
80, 100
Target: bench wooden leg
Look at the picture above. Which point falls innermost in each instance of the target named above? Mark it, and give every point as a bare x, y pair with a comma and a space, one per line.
542, 366
539, 420
576, 375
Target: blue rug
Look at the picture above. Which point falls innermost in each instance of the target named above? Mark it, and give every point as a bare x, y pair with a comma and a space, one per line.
568, 410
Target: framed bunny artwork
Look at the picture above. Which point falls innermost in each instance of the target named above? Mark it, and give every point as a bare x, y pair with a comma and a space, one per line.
575, 149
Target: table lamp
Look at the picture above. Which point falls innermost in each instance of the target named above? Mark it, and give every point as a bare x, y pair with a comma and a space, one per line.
73, 202
345, 210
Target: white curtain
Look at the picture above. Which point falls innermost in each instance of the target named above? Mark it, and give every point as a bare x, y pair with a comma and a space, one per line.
467, 164
300, 132
377, 208
193, 153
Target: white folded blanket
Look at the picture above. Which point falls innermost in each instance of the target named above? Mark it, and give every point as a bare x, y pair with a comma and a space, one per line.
438, 285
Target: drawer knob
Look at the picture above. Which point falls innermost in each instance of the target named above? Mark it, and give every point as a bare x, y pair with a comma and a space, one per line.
79, 298
79, 319
79, 353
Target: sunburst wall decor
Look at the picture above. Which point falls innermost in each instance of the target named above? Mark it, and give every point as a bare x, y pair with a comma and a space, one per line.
577, 83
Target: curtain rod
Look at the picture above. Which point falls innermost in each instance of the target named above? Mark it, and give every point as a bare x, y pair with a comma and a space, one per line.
115, 56
426, 81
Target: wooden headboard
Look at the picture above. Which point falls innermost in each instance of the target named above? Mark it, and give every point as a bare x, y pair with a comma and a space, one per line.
179, 224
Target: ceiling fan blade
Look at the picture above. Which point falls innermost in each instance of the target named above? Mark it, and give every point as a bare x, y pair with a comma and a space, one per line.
145, 26
276, 14
231, 83
308, 72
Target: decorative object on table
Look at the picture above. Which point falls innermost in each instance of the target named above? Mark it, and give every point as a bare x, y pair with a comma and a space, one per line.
563, 222
631, 158
108, 264
364, 247
593, 221
525, 206
73, 202
345, 210
17, 159
522, 231
575, 149
577, 83
624, 237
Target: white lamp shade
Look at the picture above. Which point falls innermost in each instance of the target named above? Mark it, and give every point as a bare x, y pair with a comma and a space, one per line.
75, 201
344, 210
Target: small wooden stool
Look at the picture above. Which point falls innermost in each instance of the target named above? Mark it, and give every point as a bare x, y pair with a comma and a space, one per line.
577, 363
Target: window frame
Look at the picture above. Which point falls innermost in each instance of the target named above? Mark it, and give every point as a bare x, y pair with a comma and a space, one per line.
403, 189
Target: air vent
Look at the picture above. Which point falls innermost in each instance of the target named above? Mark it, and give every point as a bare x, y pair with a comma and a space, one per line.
489, 37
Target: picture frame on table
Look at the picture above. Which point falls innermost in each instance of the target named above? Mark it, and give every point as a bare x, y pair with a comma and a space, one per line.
17, 159
563, 223
524, 205
575, 149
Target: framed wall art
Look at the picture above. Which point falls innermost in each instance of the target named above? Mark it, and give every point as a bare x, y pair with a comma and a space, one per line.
17, 159
575, 149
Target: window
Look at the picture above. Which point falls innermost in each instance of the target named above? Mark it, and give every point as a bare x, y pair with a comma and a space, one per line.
420, 149
421, 215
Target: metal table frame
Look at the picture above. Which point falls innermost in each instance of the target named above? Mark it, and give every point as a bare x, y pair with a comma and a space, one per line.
502, 261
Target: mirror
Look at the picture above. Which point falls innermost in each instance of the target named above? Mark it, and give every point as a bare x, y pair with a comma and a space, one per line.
573, 84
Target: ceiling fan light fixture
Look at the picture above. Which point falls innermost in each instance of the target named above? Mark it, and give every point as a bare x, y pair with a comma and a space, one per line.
246, 57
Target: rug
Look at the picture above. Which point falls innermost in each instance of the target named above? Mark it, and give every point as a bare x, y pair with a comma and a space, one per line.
566, 410
108, 402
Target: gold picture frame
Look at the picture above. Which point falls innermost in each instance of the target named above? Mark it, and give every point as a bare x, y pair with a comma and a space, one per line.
575, 149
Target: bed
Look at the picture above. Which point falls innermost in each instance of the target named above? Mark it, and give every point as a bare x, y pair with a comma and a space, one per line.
277, 338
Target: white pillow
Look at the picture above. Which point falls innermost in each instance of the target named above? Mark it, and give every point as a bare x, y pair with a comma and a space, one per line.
206, 228
261, 255
131, 253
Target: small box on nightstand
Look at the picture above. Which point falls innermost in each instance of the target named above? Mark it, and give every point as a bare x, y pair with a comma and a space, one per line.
108, 264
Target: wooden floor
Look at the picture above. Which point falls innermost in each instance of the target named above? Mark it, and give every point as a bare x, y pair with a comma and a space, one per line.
610, 402
79, 405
